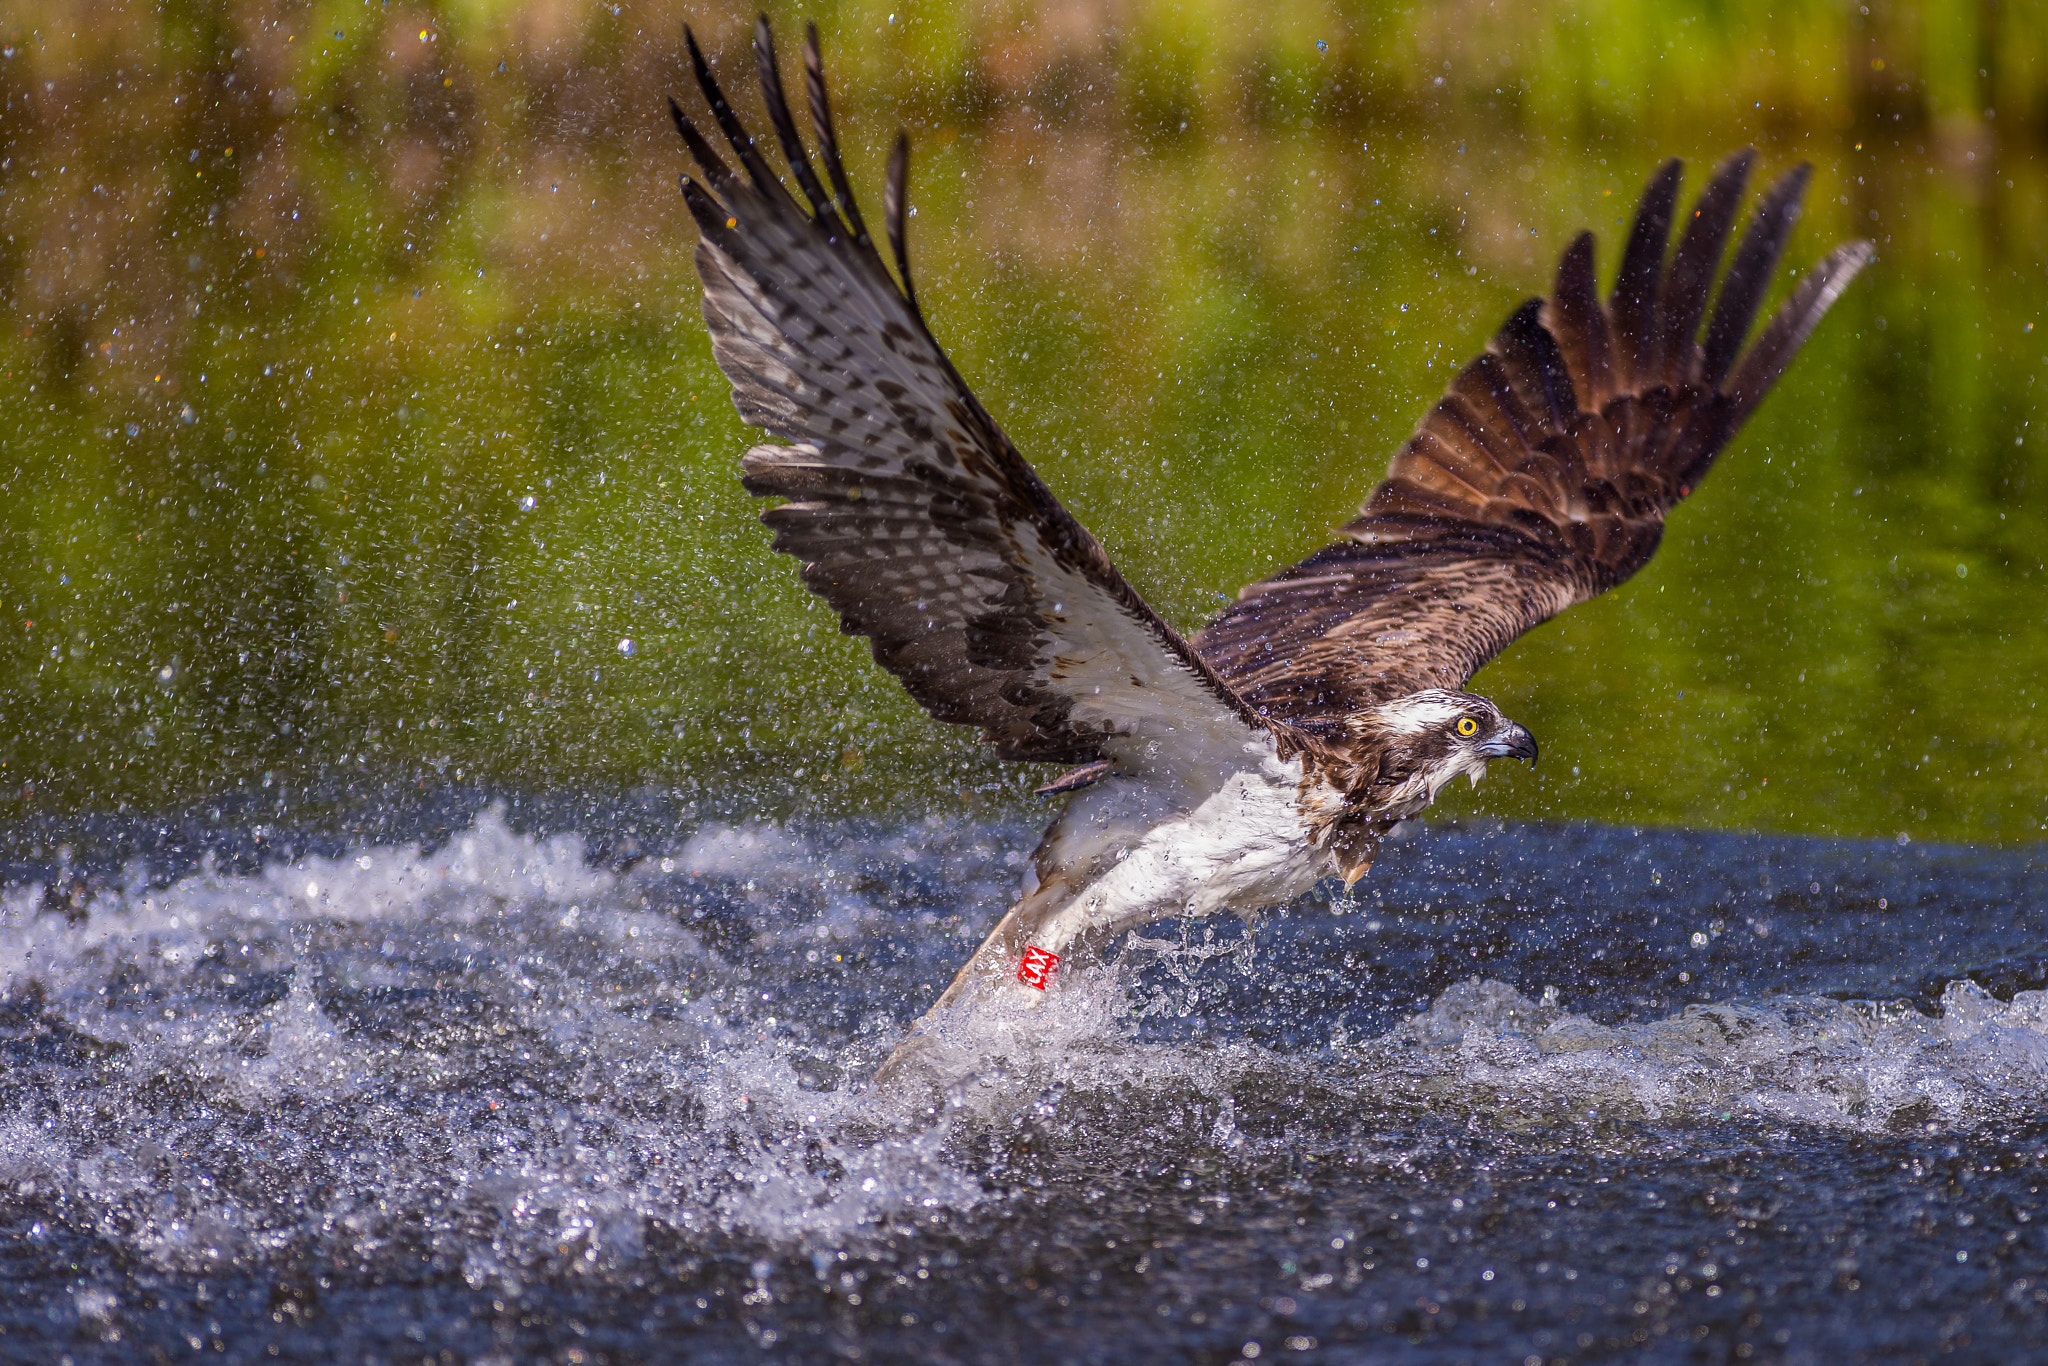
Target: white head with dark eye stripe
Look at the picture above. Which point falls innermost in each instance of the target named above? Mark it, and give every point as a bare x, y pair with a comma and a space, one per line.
1426, 739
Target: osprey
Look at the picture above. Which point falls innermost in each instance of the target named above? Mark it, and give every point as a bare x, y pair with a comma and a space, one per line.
1233, 769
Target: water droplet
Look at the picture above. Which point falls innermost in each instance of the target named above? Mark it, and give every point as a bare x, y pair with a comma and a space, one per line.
628, 648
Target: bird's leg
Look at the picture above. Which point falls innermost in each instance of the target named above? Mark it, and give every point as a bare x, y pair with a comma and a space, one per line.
1122, 854
999, 969
997, 958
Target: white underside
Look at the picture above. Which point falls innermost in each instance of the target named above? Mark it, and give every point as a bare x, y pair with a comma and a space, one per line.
1229, 836
1134, 850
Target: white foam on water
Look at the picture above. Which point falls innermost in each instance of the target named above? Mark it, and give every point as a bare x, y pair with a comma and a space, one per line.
1840, 1064
740, 850
1484, 1052
628, 1097
497, 1055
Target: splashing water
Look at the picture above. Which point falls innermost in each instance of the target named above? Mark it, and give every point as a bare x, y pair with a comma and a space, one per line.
496, 1073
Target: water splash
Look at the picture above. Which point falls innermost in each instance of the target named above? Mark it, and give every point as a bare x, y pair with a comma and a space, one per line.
499, 1059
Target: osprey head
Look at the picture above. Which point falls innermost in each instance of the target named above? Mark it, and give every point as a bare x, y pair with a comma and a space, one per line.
1424, 740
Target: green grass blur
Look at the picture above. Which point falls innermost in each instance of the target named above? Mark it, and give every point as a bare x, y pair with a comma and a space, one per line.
358, 411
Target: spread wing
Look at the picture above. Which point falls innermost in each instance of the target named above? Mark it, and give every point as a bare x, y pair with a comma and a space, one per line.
914, 516
1543, 477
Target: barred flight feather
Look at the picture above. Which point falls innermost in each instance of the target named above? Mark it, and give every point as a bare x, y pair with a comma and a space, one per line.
914, 516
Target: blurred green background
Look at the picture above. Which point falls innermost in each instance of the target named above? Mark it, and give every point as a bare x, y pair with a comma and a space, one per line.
358, 413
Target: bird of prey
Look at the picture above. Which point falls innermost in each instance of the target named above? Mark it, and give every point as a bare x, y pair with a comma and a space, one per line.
1233, 769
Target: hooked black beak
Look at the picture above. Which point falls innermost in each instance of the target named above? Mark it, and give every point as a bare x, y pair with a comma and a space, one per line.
1512, 742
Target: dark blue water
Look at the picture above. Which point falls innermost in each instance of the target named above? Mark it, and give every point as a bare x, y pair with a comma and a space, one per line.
586, 1084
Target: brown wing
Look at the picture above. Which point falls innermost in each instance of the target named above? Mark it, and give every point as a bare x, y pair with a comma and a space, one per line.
1544, 475
914, 516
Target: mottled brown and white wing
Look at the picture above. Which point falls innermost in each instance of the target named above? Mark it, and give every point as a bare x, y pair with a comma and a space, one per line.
914, 516
1542, 478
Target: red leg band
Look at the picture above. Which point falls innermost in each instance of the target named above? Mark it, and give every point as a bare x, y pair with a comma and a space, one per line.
1037, 968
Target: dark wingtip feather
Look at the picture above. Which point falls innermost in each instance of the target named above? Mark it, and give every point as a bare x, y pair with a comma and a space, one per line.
1576, 263
785, 126
1580, 324
1760, 368
828, 140
1634, 300
1756, 260
714, 168
714, 223
721, 111
1683, 298
895, 201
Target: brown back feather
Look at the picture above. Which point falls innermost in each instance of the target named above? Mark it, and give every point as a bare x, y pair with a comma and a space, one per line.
1542, 478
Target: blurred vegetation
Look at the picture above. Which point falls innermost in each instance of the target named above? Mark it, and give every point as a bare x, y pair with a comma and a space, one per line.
360, 429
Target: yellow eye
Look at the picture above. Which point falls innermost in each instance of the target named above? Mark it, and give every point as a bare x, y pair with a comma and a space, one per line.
1467, 726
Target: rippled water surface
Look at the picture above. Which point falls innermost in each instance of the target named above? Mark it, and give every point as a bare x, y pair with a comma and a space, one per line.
516, 1084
